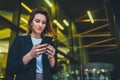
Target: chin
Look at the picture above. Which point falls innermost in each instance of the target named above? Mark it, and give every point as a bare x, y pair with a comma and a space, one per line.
39, 32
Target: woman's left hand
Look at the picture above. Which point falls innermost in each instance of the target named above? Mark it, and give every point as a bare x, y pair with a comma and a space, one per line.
50, 51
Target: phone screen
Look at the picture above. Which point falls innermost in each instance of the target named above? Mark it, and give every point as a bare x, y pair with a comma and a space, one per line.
47, 40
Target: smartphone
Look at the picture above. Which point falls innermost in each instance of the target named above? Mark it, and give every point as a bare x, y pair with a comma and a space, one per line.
47, 39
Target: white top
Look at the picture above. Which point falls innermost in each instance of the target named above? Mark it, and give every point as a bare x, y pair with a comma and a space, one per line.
39, 68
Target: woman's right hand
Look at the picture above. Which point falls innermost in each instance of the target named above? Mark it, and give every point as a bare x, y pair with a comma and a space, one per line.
37, 50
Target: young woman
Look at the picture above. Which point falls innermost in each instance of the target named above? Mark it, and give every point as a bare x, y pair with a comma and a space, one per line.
33, 57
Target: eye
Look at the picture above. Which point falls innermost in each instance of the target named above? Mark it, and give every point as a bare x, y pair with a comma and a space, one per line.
37, 20
44, 22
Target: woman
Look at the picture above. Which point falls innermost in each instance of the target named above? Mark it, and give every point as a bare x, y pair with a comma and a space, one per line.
33, 57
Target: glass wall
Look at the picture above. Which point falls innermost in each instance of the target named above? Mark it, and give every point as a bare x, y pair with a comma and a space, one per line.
5, 19
68, 55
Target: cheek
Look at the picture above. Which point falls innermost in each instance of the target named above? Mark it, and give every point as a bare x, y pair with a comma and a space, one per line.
34, 25
44, 26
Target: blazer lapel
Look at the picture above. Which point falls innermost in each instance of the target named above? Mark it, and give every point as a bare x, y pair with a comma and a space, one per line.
28, 43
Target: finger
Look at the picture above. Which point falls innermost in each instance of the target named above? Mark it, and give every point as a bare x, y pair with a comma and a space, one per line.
51, 48
50, 52
41, 45
39, 51
42, 49
49, 55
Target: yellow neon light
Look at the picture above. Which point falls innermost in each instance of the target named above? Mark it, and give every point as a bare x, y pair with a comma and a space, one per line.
90, 16
65, 22
58, 24
26, 7
49, 3
24, 20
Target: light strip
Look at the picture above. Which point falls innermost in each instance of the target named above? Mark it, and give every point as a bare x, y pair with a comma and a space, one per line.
24, 20
99, 42
58, 24
1, 51
26, 7
49, 3
88, 20
96, 28
90, 16
65, 22
94, 35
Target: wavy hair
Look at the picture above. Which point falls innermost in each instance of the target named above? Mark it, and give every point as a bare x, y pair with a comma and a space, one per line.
49, 31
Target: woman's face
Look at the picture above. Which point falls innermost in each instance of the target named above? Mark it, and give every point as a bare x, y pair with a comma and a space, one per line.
38, 24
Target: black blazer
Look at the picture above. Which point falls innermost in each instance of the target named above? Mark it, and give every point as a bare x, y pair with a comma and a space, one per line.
15, 66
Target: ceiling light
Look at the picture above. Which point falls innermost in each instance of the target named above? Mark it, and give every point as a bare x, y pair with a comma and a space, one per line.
24, 20
49, 3
90, 16
65, 22
58, 24
26, 7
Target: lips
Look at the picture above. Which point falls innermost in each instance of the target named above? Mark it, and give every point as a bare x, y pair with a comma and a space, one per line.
39, 29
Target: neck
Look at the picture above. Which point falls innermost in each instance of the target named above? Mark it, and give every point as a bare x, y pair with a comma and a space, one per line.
37, 36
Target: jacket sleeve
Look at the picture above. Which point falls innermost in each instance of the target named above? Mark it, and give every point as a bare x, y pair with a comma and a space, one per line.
50, 41
54, 69
15, 64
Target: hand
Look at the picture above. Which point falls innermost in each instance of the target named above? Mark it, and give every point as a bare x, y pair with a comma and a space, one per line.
37, 50
50, 51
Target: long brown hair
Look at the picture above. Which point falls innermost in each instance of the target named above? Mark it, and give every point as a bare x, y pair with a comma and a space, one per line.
49, 31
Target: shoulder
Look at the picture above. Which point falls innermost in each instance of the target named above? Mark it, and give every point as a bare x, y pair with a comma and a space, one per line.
21, 38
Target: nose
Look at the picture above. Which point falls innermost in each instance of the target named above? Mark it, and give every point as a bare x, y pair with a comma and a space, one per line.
40, 24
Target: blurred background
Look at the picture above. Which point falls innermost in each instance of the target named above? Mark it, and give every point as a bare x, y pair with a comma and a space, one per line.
88, 31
